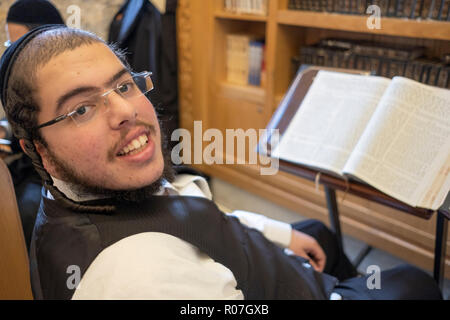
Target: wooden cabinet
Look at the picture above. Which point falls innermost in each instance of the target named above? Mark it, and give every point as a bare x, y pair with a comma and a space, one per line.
205, 95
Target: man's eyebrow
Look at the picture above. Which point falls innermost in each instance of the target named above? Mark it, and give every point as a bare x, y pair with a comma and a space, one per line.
116, 77
77, 91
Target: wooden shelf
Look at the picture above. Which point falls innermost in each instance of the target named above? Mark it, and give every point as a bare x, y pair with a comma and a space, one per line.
243, 17
248, 93
426, 29
277, 100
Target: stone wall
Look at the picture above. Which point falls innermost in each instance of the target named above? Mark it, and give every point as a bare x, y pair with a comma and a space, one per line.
95, 16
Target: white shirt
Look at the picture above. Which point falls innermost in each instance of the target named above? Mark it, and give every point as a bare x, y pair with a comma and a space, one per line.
155, 265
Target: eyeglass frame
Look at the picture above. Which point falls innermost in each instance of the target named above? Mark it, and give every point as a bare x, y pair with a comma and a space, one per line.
103, 95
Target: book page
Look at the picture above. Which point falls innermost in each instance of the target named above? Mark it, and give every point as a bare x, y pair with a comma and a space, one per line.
405, 150
331, 119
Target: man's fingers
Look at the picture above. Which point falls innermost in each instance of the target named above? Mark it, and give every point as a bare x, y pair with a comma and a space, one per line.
318, 256
315, 265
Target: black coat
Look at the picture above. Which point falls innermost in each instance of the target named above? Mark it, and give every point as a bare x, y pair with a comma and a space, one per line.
149, 38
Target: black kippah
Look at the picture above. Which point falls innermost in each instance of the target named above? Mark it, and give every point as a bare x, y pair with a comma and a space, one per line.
34, 12
10, 55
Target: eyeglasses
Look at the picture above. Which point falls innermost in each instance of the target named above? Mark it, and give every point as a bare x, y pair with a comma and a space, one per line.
137, 85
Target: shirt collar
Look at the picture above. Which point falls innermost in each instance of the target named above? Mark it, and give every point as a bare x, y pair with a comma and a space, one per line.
74, 193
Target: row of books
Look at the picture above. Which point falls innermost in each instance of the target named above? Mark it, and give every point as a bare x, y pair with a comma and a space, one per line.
412, 9
379, 59
258, 7
245, 60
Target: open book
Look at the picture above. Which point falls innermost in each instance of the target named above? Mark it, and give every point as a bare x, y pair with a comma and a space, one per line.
391, 134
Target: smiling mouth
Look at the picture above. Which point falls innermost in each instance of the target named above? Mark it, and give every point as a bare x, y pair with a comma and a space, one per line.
135, 146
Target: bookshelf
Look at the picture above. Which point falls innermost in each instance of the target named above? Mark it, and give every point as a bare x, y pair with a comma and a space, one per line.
235, 16
423, 29
205, 95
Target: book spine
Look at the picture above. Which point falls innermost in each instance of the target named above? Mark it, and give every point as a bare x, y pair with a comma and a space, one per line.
263, 66
441, 10
230, 60
412, 14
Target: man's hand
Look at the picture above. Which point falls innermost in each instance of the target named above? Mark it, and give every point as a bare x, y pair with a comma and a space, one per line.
307, 247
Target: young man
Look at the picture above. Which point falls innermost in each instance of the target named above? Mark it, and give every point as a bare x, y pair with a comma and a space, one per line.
114, 215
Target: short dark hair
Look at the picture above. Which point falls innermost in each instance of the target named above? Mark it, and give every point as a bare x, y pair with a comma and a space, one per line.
21, 106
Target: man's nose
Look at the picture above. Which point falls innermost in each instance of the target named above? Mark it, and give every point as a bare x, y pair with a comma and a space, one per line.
120, 111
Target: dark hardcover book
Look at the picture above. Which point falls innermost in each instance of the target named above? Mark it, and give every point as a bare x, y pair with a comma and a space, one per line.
406, 12
342, 7
384, 67
396, 68
432, 10
420, 14
433, 76
426, 71
366, 5
448, 12
361, 8
418, 71
409, 70
291, 5
447, 81
398, 9
334, 5
413, 9
359, 62
440, 10
351, 6
443, 78
389, 8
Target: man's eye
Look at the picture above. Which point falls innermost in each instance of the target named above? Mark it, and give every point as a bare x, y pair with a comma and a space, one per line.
82, 110
126, 87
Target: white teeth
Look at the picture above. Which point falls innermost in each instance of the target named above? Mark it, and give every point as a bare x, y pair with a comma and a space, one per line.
135, 144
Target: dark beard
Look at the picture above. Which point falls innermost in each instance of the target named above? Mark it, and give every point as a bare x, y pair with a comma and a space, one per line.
79, 185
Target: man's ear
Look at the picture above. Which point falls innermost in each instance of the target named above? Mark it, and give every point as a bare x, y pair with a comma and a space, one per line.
35, 146
25, 146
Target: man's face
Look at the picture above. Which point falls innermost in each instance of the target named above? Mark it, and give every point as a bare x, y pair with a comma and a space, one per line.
93, 151
14, 31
